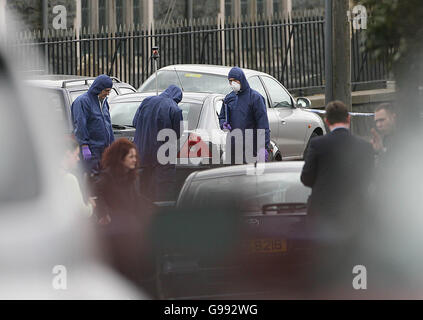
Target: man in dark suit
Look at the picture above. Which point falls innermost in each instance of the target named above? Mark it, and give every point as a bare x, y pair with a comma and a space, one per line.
338, 167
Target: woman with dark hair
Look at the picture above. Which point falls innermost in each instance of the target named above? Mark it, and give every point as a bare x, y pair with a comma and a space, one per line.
124, 214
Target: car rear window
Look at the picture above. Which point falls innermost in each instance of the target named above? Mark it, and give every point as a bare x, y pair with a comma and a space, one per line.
75, 94
250, 192
122, 113
191, 82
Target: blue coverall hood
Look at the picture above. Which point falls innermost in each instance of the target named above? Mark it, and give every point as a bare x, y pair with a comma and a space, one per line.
173, 92
153, 115
238, 74
100, 83
244, 110
91, 120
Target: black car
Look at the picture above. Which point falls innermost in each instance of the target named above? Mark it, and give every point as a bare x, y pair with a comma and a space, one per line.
62, 90
234, 230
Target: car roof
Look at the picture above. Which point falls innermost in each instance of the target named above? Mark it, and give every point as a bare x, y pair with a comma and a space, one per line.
138, 96
209, 68
48, 83
56, 77
75, 82
247, 169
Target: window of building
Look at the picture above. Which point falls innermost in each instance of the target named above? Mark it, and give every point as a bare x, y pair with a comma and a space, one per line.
228, 8
260, 7
85, 11
276, 6
159, 12
244, 7
102, 13
119, 13
137, 12
205, 8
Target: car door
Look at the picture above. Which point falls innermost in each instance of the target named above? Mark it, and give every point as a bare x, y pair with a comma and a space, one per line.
292, 128
256, 84
218, 136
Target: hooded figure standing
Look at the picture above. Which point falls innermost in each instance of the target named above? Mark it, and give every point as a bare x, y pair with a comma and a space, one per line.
153, 115
243, 109
92, 123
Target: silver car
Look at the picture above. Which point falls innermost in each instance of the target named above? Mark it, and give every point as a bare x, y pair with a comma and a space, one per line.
61, 91
291, 124
44, 239
200, 124
201, 145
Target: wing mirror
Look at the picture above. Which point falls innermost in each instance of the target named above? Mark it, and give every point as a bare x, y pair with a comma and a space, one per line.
303, 102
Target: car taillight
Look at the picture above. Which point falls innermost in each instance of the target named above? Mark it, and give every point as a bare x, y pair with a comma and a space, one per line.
194, 147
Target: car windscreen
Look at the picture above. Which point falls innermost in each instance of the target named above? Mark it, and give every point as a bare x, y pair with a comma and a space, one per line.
191, 82
250, 192
122, 113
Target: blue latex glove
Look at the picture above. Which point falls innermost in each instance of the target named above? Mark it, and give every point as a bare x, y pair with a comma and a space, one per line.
86, 153
227, 126
263, 155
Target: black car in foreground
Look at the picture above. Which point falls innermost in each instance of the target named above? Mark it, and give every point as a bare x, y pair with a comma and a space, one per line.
235, 230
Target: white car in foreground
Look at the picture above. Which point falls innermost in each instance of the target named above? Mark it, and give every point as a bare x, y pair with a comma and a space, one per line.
47, 249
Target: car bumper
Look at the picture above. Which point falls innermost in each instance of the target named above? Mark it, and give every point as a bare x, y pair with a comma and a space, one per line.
128, 134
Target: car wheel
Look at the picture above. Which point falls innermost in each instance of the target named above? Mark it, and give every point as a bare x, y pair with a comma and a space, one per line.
313, 135
278, 157
275, 155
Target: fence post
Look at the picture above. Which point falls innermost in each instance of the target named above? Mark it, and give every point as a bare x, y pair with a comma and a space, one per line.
338, 60
221, 26
45, 26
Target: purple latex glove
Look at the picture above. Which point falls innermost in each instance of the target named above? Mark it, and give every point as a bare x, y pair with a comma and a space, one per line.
227, 126
86, 153
263, 155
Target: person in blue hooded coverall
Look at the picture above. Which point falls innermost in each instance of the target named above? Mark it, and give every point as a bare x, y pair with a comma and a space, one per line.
92, 123
244, 108
153, 115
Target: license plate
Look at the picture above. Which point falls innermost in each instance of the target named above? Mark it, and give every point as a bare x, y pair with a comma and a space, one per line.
268, 246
